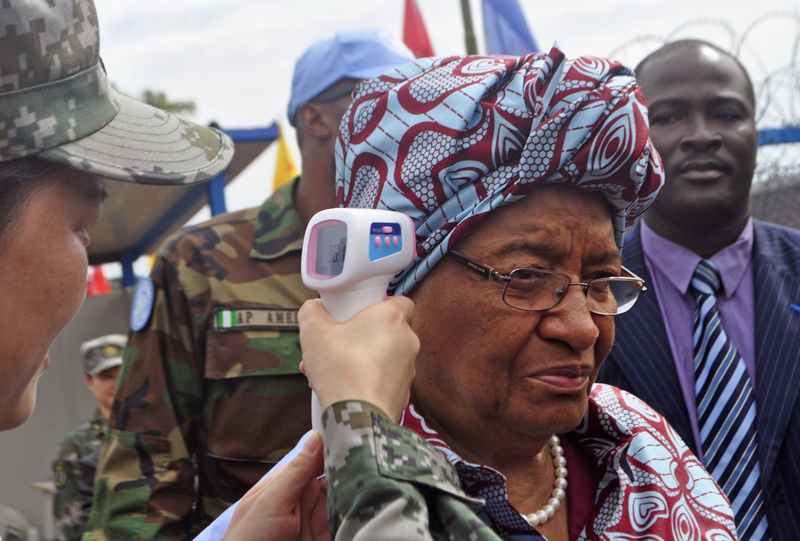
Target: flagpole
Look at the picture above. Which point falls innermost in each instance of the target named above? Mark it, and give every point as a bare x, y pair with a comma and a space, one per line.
469, 33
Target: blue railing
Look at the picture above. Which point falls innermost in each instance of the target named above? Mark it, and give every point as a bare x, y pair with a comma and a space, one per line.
779, 136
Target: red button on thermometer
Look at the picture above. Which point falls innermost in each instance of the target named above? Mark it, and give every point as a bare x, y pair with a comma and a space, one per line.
349, 258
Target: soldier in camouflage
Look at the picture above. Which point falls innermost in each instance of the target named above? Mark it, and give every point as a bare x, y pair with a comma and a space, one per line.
210, 393
101, 360
67, 501
63, 131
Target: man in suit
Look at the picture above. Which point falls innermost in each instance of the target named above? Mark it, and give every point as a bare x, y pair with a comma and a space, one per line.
702, 123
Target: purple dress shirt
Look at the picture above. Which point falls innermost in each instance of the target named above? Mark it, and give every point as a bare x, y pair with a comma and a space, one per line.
671, 267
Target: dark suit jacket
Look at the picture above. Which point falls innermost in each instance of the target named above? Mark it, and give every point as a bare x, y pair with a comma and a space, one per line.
641, 362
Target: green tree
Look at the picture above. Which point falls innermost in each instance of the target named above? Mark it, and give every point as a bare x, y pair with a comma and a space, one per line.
159, 99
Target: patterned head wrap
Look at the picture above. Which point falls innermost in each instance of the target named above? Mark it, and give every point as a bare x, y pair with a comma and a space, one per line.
448, 140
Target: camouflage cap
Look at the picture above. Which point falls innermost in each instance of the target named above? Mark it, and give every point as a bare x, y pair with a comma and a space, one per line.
103, 353
56, 103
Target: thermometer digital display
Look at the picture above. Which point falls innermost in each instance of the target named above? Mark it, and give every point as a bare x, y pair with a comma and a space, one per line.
331, 249
349, 257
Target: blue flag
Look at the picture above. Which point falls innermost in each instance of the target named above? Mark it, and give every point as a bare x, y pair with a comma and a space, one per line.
506, 29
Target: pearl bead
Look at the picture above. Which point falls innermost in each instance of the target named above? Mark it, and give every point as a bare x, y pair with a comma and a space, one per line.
560, 484
542, 516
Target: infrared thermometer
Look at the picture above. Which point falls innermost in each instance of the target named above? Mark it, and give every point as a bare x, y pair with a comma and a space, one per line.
349, 257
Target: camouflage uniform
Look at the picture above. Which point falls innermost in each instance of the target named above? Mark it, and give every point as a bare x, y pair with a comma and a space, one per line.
386, 482
210, 395
67, 501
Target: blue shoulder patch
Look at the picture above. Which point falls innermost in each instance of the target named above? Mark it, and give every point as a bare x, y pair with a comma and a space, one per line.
142, 305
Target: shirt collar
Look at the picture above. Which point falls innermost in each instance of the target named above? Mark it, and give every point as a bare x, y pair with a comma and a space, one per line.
678, 263
279, 229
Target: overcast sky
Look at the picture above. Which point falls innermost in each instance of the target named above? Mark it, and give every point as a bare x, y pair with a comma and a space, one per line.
234, 58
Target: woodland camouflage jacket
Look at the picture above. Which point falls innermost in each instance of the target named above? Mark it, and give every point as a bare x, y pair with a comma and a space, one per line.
210, 394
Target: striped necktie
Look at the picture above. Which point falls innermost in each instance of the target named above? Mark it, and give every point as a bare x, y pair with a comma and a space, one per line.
726, 409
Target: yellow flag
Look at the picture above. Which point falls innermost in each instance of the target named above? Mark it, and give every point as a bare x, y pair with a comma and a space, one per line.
285, 168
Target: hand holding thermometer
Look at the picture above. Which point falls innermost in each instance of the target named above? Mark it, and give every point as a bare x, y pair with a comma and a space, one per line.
349, 257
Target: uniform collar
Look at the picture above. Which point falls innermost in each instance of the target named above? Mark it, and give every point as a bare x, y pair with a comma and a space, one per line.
279, 229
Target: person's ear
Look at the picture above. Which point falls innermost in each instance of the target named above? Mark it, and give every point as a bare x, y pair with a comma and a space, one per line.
315, 121
88, 381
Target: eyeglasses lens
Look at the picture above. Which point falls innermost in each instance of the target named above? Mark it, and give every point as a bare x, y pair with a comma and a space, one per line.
531, 289
624, 294
534, 289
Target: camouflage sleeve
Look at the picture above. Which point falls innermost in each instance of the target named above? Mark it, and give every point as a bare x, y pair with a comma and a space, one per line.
67, 502
88, 467
144, 486
385, 482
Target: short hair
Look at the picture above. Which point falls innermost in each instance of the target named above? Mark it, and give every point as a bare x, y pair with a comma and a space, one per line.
693, 45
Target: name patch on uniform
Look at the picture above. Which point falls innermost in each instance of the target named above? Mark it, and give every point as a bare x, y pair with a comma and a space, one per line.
248, 319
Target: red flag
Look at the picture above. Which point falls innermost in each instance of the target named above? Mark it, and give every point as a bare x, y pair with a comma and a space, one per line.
414, 34
98, 285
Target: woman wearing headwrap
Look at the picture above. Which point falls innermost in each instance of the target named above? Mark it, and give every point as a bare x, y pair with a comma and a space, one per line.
520, 175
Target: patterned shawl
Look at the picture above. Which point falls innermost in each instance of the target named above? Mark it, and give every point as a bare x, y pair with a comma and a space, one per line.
447, 140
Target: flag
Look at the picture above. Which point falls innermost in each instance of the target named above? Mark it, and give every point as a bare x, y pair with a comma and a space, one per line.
506, 29
98, 285
285, 168
414, 34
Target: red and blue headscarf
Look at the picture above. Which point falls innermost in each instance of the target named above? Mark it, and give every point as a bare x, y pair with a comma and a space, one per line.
448, 140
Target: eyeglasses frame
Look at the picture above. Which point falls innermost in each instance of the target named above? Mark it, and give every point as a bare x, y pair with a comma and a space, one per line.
489, 273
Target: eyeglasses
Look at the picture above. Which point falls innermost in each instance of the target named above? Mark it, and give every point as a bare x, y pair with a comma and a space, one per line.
534, 289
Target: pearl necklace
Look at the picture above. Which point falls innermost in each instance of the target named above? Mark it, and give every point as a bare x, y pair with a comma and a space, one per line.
560, 486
